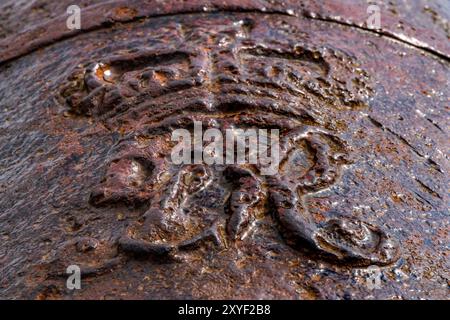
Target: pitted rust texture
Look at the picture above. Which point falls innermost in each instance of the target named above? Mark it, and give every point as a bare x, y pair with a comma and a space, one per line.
416, 23
87, 177
237, 82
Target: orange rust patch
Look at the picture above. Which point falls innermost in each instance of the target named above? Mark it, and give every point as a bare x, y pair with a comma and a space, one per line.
124, 13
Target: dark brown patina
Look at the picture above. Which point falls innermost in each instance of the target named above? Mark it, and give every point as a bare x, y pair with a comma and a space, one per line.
86, 148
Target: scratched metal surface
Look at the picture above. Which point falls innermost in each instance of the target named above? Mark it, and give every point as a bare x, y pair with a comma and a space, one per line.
85, 124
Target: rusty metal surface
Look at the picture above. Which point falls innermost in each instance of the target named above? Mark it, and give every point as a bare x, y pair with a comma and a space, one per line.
419, 23
86, 176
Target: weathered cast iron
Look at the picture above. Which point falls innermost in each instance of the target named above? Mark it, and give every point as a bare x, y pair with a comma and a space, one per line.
86, 176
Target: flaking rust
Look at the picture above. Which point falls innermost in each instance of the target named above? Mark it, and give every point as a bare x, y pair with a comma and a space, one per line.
87, 179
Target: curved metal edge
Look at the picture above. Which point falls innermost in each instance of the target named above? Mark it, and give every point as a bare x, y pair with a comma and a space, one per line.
123, 11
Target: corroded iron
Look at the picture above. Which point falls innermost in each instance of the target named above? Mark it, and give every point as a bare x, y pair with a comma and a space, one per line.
85, 148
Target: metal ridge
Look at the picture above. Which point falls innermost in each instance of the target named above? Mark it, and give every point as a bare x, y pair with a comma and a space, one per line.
125, 11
